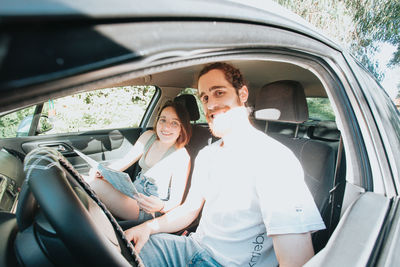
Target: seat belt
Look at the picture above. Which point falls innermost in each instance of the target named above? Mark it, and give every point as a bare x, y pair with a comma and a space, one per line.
337, 192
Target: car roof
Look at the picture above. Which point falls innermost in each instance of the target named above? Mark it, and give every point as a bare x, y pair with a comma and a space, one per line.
264, 12
48, 31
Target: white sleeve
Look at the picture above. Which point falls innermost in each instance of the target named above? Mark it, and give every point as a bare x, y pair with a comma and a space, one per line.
285, 200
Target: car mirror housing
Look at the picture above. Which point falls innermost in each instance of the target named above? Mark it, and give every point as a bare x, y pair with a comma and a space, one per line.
45, 124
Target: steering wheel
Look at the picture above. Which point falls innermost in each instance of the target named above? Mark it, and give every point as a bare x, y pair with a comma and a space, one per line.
56, 204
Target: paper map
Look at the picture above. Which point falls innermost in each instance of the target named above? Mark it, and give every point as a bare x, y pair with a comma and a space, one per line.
120, 180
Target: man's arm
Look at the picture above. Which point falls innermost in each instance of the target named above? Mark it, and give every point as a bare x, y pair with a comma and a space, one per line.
173, 221
180, 217
293, 250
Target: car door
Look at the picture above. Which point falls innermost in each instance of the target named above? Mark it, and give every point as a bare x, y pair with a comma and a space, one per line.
368, 231
370, 204
103, 124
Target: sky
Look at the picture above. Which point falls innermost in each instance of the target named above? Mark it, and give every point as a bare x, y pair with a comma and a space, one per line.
392, 75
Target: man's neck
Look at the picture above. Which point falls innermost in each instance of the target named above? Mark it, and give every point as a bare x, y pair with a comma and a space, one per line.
239, 133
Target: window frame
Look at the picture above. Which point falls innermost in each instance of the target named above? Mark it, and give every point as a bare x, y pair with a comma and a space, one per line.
38, 109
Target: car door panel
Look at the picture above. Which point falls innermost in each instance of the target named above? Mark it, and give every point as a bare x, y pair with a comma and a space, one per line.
356, 236
103, 146
389, 255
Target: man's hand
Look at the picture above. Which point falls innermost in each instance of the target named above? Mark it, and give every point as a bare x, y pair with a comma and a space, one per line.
149, 204
139, 235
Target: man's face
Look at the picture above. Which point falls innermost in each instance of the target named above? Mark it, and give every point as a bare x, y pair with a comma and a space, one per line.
220, 100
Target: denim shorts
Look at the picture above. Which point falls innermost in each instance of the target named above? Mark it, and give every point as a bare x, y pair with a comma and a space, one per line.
146, 187
173, 250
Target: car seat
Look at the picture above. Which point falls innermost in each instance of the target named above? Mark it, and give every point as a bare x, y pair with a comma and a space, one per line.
285, 101
200, 133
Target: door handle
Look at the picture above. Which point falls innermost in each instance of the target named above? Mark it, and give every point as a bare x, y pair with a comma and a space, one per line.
64, 149
61, 148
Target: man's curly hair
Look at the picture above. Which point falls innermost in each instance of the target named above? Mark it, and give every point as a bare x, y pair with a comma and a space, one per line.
232, 74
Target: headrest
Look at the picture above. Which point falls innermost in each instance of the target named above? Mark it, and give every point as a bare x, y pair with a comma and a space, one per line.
189, 101
282, 101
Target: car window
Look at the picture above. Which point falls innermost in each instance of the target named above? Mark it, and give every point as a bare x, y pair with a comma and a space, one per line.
193, 91
320, 109
16, 123
109, 108
119, 107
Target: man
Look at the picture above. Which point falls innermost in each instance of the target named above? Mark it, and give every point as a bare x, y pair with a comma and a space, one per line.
257, 209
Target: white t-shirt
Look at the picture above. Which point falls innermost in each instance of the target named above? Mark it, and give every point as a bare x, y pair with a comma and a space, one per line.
252, 190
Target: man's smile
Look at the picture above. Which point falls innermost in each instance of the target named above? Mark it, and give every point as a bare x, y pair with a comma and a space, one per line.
212, 114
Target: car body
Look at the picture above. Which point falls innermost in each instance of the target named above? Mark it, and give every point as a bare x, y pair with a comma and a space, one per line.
56, 49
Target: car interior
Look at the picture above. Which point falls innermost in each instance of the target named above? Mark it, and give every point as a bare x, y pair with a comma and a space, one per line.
278, 105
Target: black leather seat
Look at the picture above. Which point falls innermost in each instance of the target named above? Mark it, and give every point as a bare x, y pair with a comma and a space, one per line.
200, 133
285, 101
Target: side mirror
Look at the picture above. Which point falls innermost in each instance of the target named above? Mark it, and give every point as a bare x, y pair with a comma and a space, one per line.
24, 125
45, 124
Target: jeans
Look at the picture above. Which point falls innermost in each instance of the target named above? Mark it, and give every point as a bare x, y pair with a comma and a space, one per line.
173, 250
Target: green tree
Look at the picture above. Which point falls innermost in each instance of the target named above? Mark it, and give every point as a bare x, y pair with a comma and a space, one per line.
320, 109
337, 20
377, 21
398, 91
102, 109
9, 123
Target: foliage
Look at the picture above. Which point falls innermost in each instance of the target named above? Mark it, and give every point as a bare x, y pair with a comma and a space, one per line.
320, 109
109, 108
377, 21
398, 91
336, 19
10, 122
45, 125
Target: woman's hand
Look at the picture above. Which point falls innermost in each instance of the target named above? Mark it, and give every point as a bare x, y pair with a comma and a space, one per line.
150, 204
92, 175
139, 235
98, 175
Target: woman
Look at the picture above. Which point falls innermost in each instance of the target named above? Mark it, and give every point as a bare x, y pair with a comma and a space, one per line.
165, 167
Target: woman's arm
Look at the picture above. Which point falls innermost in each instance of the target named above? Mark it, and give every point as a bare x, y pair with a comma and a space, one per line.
133, 154
178, 180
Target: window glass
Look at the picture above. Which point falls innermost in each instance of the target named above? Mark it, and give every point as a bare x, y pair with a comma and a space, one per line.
319, 108
193, 91
16, 123
109, 108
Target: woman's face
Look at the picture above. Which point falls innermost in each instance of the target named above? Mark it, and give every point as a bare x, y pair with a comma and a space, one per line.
168, 126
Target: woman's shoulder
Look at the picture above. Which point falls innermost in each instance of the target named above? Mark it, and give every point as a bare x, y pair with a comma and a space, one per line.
146, 136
